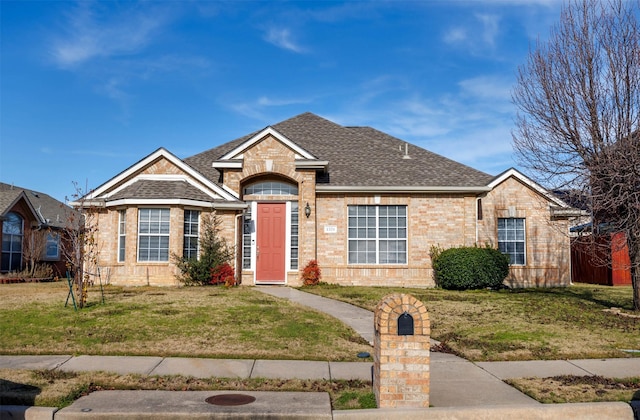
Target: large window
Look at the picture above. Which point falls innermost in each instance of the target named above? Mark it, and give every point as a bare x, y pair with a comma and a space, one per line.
12, 232
153, 235
511, 239
377, 234
122, 234
190, 249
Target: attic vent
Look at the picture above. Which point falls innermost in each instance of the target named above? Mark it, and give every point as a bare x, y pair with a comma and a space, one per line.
35, 194
406, 151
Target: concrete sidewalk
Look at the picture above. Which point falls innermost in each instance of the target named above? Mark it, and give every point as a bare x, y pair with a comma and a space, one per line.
459, 389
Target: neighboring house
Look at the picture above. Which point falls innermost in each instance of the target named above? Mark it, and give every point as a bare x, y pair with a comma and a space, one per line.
29, 220
369, 207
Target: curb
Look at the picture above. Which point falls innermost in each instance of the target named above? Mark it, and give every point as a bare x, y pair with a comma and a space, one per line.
583, 411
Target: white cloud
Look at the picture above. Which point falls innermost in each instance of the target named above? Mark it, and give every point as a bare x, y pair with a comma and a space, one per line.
490, 28
455, 35
477, 34
282, 38
90, 34
487, 88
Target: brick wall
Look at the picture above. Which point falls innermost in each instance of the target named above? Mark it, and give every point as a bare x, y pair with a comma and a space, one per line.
548, 259
443, 220
401, 363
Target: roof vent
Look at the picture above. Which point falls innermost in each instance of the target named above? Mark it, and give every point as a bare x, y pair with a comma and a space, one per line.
35, 194
406, 151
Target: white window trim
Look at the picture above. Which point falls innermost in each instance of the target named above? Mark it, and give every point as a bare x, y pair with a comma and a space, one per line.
524, 227
197, 235
377, 238
122, 234
155, 234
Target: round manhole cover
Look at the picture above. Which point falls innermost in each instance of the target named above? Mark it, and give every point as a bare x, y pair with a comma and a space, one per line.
230, 399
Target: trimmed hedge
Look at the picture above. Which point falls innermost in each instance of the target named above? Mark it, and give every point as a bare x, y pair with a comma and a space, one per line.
470, 268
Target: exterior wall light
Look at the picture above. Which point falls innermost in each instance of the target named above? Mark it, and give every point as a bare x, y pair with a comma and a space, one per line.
307, 210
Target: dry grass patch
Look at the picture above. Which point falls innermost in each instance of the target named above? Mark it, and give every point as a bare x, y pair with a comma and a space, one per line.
58, 389
575, 389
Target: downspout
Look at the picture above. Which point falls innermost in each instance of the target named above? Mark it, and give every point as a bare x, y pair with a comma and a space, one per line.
476, 211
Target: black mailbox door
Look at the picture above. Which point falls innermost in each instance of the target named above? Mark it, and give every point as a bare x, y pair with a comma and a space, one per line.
405, 324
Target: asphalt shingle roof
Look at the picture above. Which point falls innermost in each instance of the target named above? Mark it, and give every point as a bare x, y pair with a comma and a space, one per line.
152, 189
359, 156
53, 211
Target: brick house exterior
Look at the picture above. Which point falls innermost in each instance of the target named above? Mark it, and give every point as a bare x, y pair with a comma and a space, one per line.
369, 207
24, 212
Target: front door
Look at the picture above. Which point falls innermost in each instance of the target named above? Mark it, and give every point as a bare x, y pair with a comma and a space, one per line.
270, 251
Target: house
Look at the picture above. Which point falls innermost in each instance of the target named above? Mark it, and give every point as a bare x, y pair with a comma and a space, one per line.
368, 206
33, 225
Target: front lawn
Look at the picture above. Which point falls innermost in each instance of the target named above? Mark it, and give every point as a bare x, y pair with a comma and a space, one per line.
191, 322
520, 324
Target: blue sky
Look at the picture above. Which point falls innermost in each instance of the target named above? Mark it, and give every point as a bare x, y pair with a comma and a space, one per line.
89, 88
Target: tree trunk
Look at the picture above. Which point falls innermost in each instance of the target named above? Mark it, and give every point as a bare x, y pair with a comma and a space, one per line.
635, 280
633, 244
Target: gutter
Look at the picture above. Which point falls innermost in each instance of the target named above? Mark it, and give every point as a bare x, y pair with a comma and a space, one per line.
401, 189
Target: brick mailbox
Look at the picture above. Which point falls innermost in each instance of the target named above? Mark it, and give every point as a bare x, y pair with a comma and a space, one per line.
401, 352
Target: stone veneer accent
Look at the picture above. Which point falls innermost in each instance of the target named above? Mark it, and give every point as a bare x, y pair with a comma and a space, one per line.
401, 374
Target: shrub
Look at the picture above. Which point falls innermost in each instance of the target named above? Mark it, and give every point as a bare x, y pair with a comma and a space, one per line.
311, 274
223, 274
214, 252
470, 268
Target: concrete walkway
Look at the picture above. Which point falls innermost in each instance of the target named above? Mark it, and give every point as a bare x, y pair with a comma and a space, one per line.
455, 382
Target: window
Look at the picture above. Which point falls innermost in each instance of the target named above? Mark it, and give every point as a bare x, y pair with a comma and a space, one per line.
271, 188
190, 248
247, 229
377, 234
294, 236
122, 234
12, 231
511, 239
153, 235
52, 247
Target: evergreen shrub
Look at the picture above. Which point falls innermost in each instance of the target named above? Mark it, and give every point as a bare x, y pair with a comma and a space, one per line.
470, 268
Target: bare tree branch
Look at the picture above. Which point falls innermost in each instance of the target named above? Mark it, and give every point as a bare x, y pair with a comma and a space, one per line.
577, 127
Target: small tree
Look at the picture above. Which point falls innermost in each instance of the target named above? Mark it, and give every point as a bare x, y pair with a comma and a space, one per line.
214, 252
33, 248
79, 246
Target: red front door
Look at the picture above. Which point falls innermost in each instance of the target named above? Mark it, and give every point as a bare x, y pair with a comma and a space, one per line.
270, 252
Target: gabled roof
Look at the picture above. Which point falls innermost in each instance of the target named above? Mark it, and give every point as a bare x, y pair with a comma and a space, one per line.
133, 186
512, 172
359, 158
46, 210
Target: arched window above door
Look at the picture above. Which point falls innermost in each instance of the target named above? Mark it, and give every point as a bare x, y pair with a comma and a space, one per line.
270, 188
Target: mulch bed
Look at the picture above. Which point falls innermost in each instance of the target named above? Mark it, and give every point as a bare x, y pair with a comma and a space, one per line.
12, 280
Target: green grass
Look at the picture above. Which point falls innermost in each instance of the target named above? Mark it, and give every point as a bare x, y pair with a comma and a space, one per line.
520, 324
191, 322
